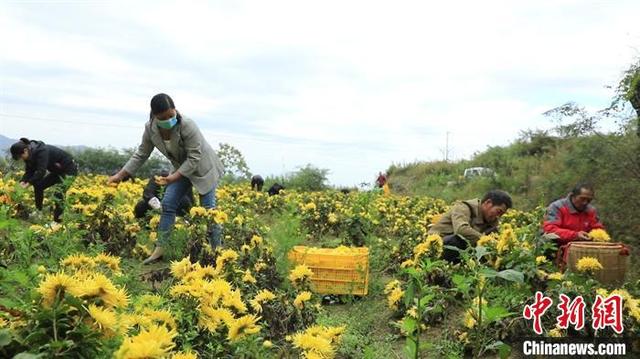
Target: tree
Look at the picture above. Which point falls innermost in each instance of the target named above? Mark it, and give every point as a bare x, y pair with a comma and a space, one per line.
235, 167
308, 178
106, 161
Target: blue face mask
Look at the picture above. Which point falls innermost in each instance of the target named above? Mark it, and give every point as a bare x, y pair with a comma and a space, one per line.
167, 124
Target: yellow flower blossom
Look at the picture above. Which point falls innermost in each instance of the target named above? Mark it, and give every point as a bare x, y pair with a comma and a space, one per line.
599, 235
300, 273
301, 298
588, 264
197, 212
57, 284
541, 260
105, 319
243, 326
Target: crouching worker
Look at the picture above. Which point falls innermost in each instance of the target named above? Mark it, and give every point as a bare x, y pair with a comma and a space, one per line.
45, 166
275, 189
572, 218
470, 220
256, 183
152, 198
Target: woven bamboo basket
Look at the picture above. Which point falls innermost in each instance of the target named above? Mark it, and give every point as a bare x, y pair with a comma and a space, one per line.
614, 258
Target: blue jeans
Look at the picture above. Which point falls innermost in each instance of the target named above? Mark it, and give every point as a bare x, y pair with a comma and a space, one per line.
170, 204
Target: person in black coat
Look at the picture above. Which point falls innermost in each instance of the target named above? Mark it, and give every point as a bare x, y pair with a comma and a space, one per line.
257, 182
45, 166
152, 197
275, 189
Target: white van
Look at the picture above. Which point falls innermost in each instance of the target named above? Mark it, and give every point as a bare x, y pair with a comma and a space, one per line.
478, 172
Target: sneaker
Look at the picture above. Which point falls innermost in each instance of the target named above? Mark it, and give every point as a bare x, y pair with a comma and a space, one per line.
155, 256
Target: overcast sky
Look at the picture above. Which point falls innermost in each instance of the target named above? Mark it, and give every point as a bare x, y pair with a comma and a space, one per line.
350, 86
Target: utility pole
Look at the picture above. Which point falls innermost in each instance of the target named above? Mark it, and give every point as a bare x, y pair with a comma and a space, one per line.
446, 150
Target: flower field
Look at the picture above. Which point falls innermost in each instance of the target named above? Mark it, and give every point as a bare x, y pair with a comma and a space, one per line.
78, 289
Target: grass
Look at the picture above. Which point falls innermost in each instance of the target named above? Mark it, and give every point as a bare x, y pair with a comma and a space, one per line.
368, 333
285, 233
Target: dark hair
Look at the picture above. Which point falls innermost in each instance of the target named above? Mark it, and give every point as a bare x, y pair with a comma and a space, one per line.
160, 103
498, 198
18, 148
580, 186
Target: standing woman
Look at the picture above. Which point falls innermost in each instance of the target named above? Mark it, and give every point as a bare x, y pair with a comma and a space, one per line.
195, 162
45, 166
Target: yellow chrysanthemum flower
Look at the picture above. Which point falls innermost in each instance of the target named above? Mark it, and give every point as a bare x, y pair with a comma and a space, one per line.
256, 240
78, 261
227, 256
599, 235
394, 297
156, 342
234, 300
588, 264
541, 260
469, 320
309, 207
248, 277
187, 355
408, 263
243, 326
262, 296
301, 298
300, 273
197, 211
555, 333
212, 318
111, 262
57, 284
555, 276
161, 317
391, 286
507, 239
104, 318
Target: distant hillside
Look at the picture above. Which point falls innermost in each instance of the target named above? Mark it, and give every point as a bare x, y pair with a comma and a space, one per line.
539, 168
6, 142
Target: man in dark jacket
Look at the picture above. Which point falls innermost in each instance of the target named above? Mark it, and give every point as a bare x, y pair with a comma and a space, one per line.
45, 166
275, 189
256, 183
152, 198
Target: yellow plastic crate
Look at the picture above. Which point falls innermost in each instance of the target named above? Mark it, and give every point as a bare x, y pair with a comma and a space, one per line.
335, 271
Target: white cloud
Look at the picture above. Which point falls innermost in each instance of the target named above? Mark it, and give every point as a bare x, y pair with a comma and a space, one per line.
350, 86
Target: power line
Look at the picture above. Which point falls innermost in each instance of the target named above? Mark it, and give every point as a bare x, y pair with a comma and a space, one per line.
66, 121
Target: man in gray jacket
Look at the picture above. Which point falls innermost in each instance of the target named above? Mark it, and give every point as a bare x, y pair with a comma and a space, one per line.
181, 142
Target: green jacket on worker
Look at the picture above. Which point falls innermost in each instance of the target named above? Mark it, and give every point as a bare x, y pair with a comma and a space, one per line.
466, 220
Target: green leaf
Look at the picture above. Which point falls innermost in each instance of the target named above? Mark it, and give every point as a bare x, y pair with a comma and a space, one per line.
494, 313
412, 272
461, 282
409, 294
409, 325
481, 252
27, 356
488, 272
5, 337
511, 275
453, 248
410, 348
425, 300
504, 350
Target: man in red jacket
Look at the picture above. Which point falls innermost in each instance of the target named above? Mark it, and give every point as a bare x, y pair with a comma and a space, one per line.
571, 218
